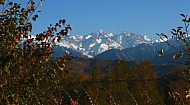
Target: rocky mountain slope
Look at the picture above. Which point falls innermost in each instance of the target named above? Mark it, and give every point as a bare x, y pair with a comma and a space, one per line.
98, 42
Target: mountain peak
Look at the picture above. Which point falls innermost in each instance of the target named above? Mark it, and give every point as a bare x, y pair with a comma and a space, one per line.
101, 31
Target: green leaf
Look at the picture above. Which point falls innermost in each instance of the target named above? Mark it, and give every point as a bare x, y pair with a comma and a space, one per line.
162, 34
11, 3
187, 44
2, 2
174, 30
34, 18
62, 69
183, 15
174, 33
180, 27
178, 30
188, 20
23, 10
157, 34
184, 20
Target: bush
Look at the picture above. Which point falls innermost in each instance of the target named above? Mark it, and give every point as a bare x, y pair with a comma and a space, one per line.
27, 73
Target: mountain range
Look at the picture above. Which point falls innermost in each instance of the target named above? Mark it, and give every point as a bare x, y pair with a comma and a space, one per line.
108, 46
100, 41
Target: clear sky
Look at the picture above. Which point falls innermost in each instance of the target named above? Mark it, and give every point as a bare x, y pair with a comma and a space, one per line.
146, 17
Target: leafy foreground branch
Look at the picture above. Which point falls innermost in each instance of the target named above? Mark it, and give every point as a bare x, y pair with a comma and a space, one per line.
25, 59
180, 41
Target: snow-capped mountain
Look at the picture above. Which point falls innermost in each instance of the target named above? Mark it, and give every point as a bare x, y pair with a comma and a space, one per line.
100, 41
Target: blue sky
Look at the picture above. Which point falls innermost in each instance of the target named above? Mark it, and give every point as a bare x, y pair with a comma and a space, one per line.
146, 17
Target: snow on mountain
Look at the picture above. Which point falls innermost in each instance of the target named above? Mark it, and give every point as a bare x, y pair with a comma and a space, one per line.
100, 41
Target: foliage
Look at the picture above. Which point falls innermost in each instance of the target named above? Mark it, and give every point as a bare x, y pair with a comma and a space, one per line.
182, 45
119, 85
2, 1
126, 84
29, 76
27, 73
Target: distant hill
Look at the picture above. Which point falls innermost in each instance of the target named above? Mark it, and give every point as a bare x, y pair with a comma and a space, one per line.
82, 65
143, 52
